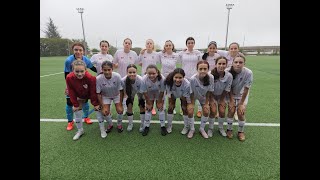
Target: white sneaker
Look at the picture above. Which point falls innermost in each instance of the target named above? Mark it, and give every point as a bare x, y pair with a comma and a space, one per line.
169, 129
103, 134
210, 132
190, 134
78, 134
184, 130
174, 111
130, 126
141, 128
222, 132
203, 133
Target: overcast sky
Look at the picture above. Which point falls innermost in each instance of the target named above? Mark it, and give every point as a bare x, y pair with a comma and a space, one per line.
252, 22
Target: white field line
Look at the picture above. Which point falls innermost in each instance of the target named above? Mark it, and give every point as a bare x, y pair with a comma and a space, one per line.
51, 74
173, 122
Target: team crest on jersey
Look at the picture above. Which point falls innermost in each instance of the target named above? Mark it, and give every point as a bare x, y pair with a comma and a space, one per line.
144, 57
121, 57
241, 79
152, 57
130, 57
85, 86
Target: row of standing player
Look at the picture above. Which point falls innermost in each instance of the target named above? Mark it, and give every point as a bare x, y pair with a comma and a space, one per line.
167, 58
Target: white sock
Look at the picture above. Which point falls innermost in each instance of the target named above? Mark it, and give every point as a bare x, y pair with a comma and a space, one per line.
142, 118
203, 122
229, 121
170, 117
78, 119
119, 120
186, 121
130, 119
191, 120
100, 119
211, 122
241, 126
162, 118
109, 119
221, 121
147, 119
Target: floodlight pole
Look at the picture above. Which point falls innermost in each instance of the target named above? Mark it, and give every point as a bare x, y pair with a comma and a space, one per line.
229, 6
80, 10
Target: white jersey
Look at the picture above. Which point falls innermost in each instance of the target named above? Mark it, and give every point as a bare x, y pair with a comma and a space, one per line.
97, 60
223, 84
183, 90
227, 55
189, 61
212, 60
136, 86
243, 79
148, 58
153, 89
168, 62
199, 91
124, 59
109, 87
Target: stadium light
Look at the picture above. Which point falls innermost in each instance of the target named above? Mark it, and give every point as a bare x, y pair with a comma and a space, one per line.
229, 6
80, 10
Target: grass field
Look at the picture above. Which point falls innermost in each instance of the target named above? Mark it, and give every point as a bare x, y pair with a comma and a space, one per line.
132, 156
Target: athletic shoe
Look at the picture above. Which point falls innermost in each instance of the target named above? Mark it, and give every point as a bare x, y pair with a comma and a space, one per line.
120, 128
174, 111
145, 131
87, 120
169, 129
163, 131
203, 133
78, 134
184, 131
222, 132
103, 133
229, 134
241, 136
141, 128
109, 128
130, 126
70, 126
190, 134
210, 132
